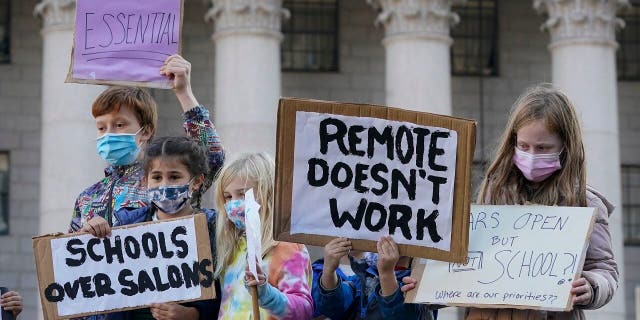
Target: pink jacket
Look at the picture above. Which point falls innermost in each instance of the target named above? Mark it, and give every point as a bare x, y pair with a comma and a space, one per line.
600, 269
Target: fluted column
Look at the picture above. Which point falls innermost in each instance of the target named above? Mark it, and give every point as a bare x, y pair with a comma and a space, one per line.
583, 48
417, 44
68, 162
247, 71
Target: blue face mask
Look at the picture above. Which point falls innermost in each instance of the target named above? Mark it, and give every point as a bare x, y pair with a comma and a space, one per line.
170, 199
118, 149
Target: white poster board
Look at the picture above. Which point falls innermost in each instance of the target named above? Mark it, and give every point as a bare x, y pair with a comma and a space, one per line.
155, 262
363, 177
519, 257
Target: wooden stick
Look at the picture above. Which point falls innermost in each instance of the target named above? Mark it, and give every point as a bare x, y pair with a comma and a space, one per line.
254, 300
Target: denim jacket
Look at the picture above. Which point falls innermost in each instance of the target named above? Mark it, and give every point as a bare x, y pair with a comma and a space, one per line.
358, 296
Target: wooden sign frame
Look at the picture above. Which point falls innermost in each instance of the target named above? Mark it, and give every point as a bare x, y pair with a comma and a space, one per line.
466, 130
44, 264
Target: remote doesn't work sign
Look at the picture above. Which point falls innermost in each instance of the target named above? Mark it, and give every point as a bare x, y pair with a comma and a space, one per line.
361, 177
134, 267
364, 171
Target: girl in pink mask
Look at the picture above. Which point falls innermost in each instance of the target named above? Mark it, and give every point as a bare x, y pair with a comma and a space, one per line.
541, 160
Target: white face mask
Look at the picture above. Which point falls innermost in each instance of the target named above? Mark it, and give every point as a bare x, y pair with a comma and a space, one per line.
537, 167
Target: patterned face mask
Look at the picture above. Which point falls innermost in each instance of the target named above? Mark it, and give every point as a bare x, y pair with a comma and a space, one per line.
235, 213
170, 199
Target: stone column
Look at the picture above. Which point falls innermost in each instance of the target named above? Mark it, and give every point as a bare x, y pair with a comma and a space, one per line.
417, 43
247, 71
418, 62
68, 162
583, 48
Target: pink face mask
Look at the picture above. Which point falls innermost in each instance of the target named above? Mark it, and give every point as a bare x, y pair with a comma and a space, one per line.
537, 167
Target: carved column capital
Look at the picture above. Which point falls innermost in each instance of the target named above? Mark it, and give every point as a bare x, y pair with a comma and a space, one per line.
584, 21
416, 18
246, 16
56, 14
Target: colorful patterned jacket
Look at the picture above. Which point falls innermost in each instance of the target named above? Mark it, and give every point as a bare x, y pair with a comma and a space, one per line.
122, 186
286, 296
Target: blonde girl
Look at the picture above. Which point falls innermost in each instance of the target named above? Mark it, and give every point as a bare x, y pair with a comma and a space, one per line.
284, 277
541, 160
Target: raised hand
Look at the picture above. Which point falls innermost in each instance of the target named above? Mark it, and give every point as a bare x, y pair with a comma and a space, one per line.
333, 252
178, 70
388, 256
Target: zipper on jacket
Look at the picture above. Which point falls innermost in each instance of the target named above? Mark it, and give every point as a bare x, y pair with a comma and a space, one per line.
109, 202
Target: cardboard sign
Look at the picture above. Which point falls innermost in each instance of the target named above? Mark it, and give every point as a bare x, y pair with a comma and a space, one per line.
519, 257
363, 171
161, 261
125, 42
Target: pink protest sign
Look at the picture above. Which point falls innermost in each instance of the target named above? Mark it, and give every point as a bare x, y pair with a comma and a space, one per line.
125, 42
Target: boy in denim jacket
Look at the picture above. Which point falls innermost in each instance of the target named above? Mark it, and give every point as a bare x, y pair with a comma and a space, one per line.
376, 289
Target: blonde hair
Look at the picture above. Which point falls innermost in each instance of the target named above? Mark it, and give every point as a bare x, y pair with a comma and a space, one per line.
505, 184
257, 169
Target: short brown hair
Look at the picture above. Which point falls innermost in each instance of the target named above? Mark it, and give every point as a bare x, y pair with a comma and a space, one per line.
138, 99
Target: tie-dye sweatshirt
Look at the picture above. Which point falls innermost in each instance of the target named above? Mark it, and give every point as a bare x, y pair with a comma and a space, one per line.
287, 294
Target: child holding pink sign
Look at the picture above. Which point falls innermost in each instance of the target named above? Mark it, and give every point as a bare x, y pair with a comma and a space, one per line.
126, 119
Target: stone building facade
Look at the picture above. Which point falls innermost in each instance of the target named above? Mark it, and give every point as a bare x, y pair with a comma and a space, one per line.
390, 52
